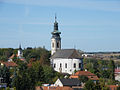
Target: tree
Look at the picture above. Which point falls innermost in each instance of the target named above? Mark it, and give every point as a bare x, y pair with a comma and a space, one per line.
111, 66
83, 78
5, 74
118, 88
49, 73
38, 71
38, 53
102, 84
89, 85
22, 81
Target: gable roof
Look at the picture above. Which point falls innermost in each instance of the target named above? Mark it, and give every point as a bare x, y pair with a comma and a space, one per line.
85, 73
53, 88
70, 82
9, 64
66, 53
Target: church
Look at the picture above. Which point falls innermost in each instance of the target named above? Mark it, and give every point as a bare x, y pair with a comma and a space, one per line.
63, 60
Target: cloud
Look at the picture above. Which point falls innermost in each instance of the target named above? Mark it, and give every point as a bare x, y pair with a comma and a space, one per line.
106, 5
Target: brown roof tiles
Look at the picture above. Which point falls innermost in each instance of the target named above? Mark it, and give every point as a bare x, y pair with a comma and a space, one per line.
85, 73
53, 88
9, 64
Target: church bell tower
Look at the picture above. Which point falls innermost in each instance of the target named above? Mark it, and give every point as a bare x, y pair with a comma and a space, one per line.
56, 39
20, 53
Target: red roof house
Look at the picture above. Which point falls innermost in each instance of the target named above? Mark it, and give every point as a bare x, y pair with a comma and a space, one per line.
9, 64
53, 88
85, 73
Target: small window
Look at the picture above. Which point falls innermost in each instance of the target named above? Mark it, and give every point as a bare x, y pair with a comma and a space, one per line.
74, 65
65, 65
79, 65
60, 65
54, 66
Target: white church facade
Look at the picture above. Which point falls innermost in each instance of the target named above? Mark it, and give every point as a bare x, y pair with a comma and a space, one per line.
63, 60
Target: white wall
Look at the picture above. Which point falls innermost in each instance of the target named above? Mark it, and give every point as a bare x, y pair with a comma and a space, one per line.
70, 65
54, 49
58, 83
117, 77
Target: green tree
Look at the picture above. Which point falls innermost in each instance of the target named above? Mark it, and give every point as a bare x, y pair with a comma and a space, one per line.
22, 79
5, 74
38, 71
102, 83
89, 85
111, 67
118, 88
83, 78
49, 73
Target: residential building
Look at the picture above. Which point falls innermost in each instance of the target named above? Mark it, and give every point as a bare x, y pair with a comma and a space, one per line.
10, 64
74, 82
19, 55
53, 88
113, 87
88, 74
117, 74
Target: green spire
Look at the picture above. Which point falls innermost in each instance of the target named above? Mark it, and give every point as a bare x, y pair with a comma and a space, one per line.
55, 17
56, 26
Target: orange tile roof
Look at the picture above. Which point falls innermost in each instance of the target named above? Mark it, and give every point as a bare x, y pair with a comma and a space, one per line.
11, 57
113, 87
9, 64
93, 77
29, 65
117, 70
73, 76
85, 73
53, 88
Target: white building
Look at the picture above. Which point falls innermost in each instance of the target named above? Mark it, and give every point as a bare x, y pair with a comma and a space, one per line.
74, 82
20, 53
66, 61
63, 60
55, 40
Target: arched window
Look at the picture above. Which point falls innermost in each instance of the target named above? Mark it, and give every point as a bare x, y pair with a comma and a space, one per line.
53, 45
79, 65
60, 65
57, 44
54, 65
74, 65
65, 65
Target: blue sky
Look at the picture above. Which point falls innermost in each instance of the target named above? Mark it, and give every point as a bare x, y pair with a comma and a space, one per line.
88, 25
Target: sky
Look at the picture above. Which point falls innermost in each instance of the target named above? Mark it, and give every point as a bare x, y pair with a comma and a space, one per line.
88, 25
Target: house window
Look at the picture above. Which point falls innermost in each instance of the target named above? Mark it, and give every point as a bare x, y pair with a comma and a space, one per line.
54, 65
53, 45
57, 45
79, 65
74, 65
60, 65
65, 65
